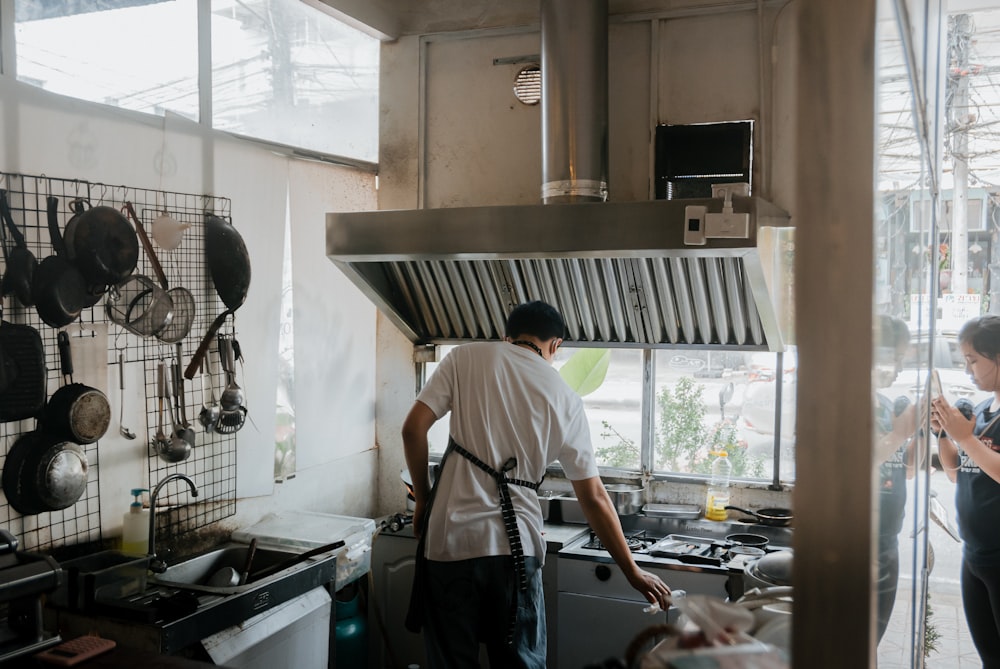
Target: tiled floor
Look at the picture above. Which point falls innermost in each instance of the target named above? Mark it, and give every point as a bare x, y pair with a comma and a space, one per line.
954, 647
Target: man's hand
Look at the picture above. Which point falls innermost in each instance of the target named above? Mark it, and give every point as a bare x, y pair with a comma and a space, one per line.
651, 587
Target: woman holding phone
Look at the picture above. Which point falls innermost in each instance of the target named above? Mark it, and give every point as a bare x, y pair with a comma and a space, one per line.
969, 451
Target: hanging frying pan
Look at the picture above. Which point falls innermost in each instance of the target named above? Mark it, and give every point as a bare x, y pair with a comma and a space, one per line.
24, 362
92, 294
43, 473
181, 298
20, 262
229, 265
58, 286
75, 411
103, 247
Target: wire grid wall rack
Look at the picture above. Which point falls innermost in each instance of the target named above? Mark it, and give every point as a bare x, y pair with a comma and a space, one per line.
212, 461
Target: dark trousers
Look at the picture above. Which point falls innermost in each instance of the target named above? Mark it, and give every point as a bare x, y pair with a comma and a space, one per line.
888, 581
468, 602
981, 600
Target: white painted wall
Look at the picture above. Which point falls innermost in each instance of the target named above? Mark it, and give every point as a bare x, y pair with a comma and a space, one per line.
48, 134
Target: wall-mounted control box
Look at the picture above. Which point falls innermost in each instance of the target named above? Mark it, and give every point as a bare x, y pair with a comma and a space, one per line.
694, 224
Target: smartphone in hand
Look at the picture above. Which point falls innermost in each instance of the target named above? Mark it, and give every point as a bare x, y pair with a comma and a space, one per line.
935, 385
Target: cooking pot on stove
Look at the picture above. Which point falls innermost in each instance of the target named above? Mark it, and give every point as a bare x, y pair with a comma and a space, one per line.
773, 569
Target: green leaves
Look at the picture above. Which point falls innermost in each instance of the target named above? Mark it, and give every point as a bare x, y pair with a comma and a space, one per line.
584, 372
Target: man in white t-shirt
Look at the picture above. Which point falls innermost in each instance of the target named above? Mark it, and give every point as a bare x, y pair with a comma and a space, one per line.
481, 548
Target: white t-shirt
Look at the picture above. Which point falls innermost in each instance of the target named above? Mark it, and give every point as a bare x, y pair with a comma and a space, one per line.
505, 401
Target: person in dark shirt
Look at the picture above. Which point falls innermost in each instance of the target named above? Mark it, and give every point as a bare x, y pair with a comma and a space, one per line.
969, 451
895, 422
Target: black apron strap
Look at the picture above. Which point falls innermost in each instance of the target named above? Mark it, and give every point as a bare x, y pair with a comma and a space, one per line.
415, 611
509, 521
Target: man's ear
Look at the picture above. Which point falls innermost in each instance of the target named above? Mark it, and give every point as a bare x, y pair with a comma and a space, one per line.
554, 345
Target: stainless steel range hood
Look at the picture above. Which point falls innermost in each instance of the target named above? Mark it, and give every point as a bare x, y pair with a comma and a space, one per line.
620, 273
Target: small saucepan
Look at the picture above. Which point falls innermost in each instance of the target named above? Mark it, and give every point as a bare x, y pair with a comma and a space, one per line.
748, 540
775, 517
75, 411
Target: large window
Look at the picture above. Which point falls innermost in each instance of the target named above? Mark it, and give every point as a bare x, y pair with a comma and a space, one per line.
282, 71
700, 401
137, 54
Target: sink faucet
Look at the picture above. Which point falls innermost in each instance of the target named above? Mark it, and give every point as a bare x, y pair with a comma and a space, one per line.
156, 565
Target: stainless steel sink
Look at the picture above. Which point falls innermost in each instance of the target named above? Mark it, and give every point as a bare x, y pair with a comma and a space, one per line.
197, 573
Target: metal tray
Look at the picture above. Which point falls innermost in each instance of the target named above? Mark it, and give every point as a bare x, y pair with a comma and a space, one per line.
672, 510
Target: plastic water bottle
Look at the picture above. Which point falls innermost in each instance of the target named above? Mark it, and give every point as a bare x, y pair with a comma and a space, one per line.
718, 487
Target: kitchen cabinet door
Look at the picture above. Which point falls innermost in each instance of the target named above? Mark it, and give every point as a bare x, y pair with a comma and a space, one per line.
594, 629
393, 559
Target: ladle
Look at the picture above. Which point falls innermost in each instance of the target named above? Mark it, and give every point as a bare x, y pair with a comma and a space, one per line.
177, 448
124, 431
187, 433
160, 441
210, 412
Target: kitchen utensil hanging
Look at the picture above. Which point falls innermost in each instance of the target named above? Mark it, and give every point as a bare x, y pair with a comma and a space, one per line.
101, 243
184, 310
171, 449
44, 473
187, 433
76, 412
19, 262
24, 366
210, 411
122, 430
229, 266
233, 414
168, 231
57, 286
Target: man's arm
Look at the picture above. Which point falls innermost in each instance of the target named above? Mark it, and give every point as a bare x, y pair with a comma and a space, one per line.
603, 519
418, 422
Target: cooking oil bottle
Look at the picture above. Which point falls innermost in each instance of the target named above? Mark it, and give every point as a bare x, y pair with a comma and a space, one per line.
718, 487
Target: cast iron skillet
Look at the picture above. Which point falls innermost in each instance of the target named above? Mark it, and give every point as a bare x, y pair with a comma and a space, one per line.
20, 261
58, 287
775, 517
229, 265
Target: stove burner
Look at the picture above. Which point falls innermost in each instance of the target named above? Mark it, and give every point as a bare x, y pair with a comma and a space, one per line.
636, 542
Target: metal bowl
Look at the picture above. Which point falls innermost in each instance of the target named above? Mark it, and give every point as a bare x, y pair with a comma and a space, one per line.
627, 498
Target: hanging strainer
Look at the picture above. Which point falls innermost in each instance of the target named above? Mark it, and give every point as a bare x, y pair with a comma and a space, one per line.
140, 306
183, 305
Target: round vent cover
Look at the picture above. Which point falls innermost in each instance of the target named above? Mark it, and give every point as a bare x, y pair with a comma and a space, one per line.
528, 84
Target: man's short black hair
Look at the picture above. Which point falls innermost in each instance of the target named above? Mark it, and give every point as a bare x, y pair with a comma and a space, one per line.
537, 319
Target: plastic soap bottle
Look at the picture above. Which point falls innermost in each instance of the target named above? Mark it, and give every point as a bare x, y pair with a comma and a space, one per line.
718, 487
135, 526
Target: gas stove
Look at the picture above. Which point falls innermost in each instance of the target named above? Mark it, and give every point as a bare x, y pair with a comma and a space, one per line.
670, 551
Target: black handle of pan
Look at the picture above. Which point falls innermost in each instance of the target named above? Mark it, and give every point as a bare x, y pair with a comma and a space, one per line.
744, 511
65, 355
55, 235
206, 341
9, 221
301, 557
144, 239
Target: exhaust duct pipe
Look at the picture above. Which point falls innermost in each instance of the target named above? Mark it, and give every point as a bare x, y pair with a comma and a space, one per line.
574, 100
